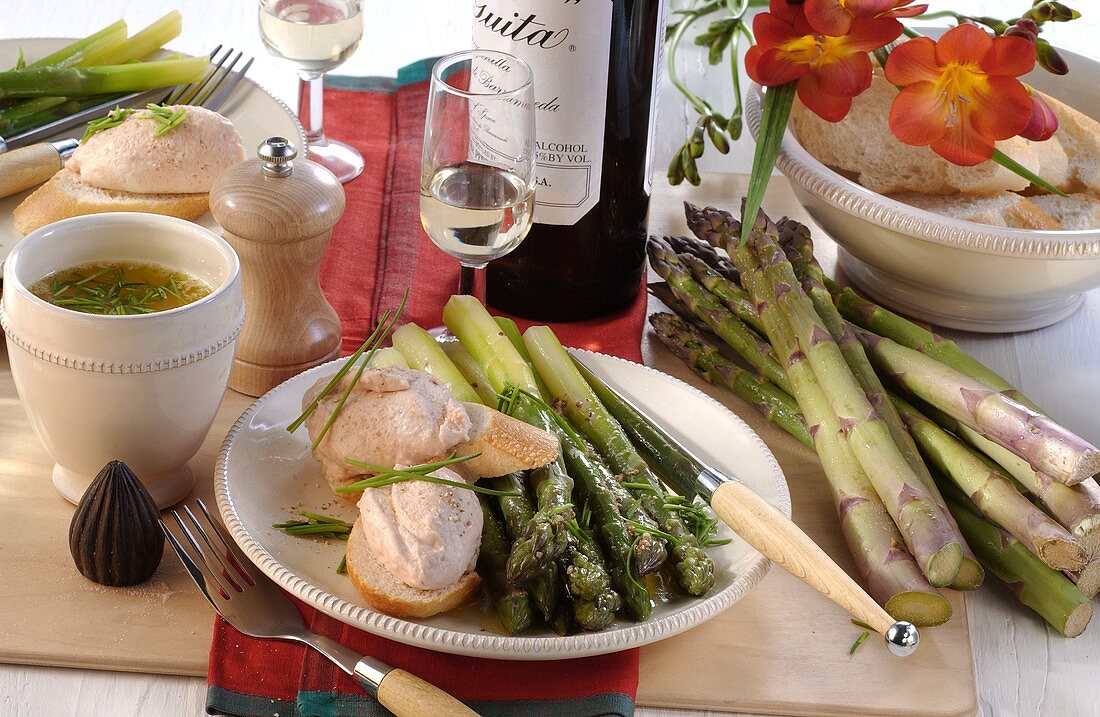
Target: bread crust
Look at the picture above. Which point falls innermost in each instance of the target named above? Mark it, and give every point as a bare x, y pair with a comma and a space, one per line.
64, 196
506, 445
387, 594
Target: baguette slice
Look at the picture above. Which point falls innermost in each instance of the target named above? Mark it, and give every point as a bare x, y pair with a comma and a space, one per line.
506, 445
1080, 136
65, 196
1077, 211
387, 594
1001, 209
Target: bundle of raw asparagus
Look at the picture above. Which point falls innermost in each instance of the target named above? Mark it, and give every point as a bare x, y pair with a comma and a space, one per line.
573, 541
91, 70
940, 472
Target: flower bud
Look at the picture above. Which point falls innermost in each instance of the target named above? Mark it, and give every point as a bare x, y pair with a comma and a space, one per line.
1049, 59
1043, 12
1025, 28
1063, 13
1043, 122
718, 138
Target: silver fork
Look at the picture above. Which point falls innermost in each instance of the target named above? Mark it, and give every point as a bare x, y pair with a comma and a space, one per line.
35, 163
252, 603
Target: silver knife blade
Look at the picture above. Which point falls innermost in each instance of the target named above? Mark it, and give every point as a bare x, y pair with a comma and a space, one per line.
707, 478
60, 125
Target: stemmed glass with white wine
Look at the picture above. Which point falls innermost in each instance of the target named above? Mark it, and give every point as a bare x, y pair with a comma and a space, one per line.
315, 36
477, 177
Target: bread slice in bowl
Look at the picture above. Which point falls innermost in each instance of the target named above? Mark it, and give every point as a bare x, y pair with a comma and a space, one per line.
999, 209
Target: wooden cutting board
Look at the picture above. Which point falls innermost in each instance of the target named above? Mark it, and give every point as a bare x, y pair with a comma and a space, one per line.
783, 649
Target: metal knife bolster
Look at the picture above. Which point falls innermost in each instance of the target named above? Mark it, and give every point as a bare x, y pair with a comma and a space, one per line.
708, 481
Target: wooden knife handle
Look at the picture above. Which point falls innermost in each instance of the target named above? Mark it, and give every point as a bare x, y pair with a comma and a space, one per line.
406, 695
27, 167
781, 541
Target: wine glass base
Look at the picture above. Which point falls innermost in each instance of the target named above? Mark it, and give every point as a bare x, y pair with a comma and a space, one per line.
341, 159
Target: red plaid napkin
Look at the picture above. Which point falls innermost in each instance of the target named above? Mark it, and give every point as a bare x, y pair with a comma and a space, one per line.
377, 251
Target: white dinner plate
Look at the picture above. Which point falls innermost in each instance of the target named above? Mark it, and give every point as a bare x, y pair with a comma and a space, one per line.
264, 474
255, 112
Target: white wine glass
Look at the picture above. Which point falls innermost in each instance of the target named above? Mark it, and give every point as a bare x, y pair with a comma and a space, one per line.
477, 177
315, 36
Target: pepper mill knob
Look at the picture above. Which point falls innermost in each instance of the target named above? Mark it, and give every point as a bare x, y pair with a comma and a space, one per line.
277, 211
278, 154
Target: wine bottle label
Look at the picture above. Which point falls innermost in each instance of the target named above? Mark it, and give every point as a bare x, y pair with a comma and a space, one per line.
567, 43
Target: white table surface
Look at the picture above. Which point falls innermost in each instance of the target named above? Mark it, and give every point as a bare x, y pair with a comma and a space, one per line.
1022, 667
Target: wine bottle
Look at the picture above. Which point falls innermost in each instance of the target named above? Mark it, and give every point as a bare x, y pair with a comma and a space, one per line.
596, 64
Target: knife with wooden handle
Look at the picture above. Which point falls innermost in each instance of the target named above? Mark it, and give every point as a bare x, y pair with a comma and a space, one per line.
30, 166
755, 520
26, 161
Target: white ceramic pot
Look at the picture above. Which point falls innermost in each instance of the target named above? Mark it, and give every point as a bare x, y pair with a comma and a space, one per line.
140, 388
948, 271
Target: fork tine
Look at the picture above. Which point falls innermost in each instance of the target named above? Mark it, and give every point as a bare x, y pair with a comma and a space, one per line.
193, 566
185, 93
216, 102
226, 572
176, 92
202, 561
209, 88
234, 553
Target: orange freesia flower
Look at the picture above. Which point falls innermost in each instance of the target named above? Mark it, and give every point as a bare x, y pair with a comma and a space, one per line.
830, 70
960, 94
835, 17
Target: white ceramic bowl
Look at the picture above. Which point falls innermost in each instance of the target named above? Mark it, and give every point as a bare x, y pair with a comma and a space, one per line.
141, 388
947, 271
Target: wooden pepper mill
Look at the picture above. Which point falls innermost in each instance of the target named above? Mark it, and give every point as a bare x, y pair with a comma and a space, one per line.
278, 213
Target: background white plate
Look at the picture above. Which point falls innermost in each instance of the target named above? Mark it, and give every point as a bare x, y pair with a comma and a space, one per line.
264, 474
256, 114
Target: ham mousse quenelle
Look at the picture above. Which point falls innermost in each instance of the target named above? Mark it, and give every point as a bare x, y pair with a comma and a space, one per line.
162, 160
413, 550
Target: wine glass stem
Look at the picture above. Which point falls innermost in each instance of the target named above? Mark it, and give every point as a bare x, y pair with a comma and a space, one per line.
467, 280
311, 100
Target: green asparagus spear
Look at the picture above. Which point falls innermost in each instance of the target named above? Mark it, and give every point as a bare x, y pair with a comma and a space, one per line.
75, 52
931, 538
705, 358
389, 356
694, 568
993, 493
649, 550
796, 243
884, 322
706, 252
518, 512
424, 352
513, 604
732, 295
101, 80
707, 308
931, 541
1076, 507
138, 47
504, 367
1045, 591
1049, 447
471, 371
